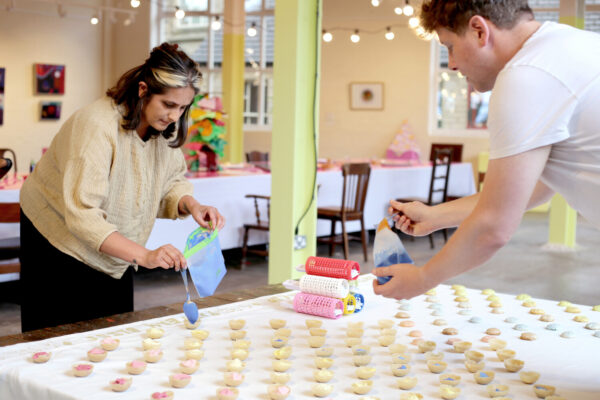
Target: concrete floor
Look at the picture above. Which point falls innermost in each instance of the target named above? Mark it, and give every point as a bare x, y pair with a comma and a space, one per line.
522, 266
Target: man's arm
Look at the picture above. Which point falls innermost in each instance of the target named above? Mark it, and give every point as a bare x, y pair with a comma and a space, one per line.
510, 184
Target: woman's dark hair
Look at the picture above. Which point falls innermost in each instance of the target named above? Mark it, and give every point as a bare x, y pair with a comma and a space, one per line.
455, 15
166, 68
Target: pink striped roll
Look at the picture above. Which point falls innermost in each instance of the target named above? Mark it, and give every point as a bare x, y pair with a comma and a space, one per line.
318, 305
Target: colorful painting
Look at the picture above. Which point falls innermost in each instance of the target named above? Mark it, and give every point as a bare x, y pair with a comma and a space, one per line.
49, 79
2, 74
50, 110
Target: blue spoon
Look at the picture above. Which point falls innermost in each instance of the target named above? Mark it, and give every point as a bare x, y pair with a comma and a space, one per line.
190, 309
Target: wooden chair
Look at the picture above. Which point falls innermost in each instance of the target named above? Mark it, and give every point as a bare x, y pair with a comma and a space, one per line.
354, 194
3, 171
260, 225
438, 185
456, 150
257, 156
9, 248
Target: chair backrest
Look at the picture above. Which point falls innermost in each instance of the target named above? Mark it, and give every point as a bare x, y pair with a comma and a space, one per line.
356, 183
10, 213
256, 198
254, 156
456, 150
440, 173
14, 157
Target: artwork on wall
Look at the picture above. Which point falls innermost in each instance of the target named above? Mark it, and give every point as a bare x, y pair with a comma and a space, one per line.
49, 79
50, 110
366, 96
2, 75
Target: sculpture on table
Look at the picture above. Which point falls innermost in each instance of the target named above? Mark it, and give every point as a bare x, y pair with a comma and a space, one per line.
205, 135
404, 146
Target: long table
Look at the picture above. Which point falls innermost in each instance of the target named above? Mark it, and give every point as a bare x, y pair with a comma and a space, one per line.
567, 364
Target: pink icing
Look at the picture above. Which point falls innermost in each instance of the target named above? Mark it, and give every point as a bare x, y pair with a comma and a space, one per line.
189, 363
236, 376
181, 376
120, 381
83, 367
137, 364
160, 395
40, 354
486, 339
109, 341
451, 341
97, 350
283, 389
226, 391
154, 352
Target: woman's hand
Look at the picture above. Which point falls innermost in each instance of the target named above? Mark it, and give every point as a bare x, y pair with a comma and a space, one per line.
166, 256
413, 218
208, 217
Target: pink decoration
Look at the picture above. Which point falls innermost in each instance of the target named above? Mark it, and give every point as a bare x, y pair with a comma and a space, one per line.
83, 367
40, 354
97, 350
137, 364
212, 104
181, 377
189, 363
160, 395
119, 381
283, 389
404, 146
226, 391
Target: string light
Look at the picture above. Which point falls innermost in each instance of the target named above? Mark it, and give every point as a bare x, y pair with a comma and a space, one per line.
252, 30
216, 24
408, 9
413, 22
327, 36
375, 3
389, 35
179, 13
135, 3
398, 10
355, 38
94, 20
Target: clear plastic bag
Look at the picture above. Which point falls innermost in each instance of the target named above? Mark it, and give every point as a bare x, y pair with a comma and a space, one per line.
205, 260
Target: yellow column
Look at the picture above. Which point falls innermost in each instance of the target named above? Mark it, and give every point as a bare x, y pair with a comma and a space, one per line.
563, 219
294, 136
233, 79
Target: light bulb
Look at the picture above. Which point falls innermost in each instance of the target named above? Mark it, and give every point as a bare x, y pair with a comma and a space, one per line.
179, 13
135, 3
389, 35
250, 50
355, 38
408, 10
413, 22
252, 30
94, 20
375, 3
216, 24
398, 10
327, 36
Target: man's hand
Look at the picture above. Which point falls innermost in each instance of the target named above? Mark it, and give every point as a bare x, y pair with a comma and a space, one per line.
407, 281
413, 218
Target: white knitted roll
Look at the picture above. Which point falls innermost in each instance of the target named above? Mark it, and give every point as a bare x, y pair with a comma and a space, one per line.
323, 286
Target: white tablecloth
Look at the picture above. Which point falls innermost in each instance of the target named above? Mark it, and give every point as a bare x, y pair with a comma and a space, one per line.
568, 364
227, 194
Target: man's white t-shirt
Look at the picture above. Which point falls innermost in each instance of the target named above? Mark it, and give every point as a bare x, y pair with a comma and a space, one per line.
549, 94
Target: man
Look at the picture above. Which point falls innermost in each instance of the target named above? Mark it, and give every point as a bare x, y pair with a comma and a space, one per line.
544, 124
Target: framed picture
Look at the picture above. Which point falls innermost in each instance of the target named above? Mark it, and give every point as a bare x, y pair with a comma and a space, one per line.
49, 79
50, 110
366, 96
2, 75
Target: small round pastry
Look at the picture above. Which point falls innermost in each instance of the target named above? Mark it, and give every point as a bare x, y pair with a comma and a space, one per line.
461, 347
280, 378
461, 299
425, 346
543, 391
529, 303
237, 324
474, 366
552, 327
432, 355
497, 311
149, 344
523, 296
278, 392
362, 387
493, 331
573, 310
360, 361
322, 375
466, 306
361, 349
365, 372
135, 367
484, 377
436, 367
450, 379
407, 383
435, 306
356, 325
233, 378
352, 341
120, 384
415, 333
385, 341
323, 362
593, 326
449, 392
385, 323
513, 365
179, 380
581, 318
520, 327
155, 333
277, 323
313, 323
473, 355
153, 355
242, 344
402, 314
195, 354
41, 357
389, 332
596, 308
236, 335
564, 303
401, 358
278, 342
450, 331
417, 341
529, 377
189, 366
398, 348
497, 344
407, 324
96, 354
537, 311
567, 335
284, 365
439, 322
226, 393
283, 332
466, 311
168, 395
528, 336
497, 390
189, 325
475, 320
192, 343
505, 354
239, 353
451, 341
283, 353
200, 334
109, 343
321, 389
324, 352
355, 332
431, 292
432, 299
316, 341
317, 332
400, 369
546, 318
235, 365
597, 334
82, 369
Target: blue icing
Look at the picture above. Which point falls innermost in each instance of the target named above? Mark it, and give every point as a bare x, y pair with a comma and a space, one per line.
552, 327
483, 375
278, 340
511, 320
403, 366
540, 387
520, 327
475, 320
497, 390
449, 379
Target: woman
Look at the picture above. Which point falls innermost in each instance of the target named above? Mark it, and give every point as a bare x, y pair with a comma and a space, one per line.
89, 206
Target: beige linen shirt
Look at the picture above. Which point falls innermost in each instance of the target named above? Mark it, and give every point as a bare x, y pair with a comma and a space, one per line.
97, 178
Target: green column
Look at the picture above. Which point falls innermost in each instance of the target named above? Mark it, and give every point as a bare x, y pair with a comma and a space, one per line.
563, 219
295, 120
233, 79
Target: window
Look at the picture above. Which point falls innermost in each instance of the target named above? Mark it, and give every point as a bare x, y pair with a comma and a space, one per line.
205, 45
457, 109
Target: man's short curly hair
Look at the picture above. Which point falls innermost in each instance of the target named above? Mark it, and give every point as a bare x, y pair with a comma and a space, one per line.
455, 15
